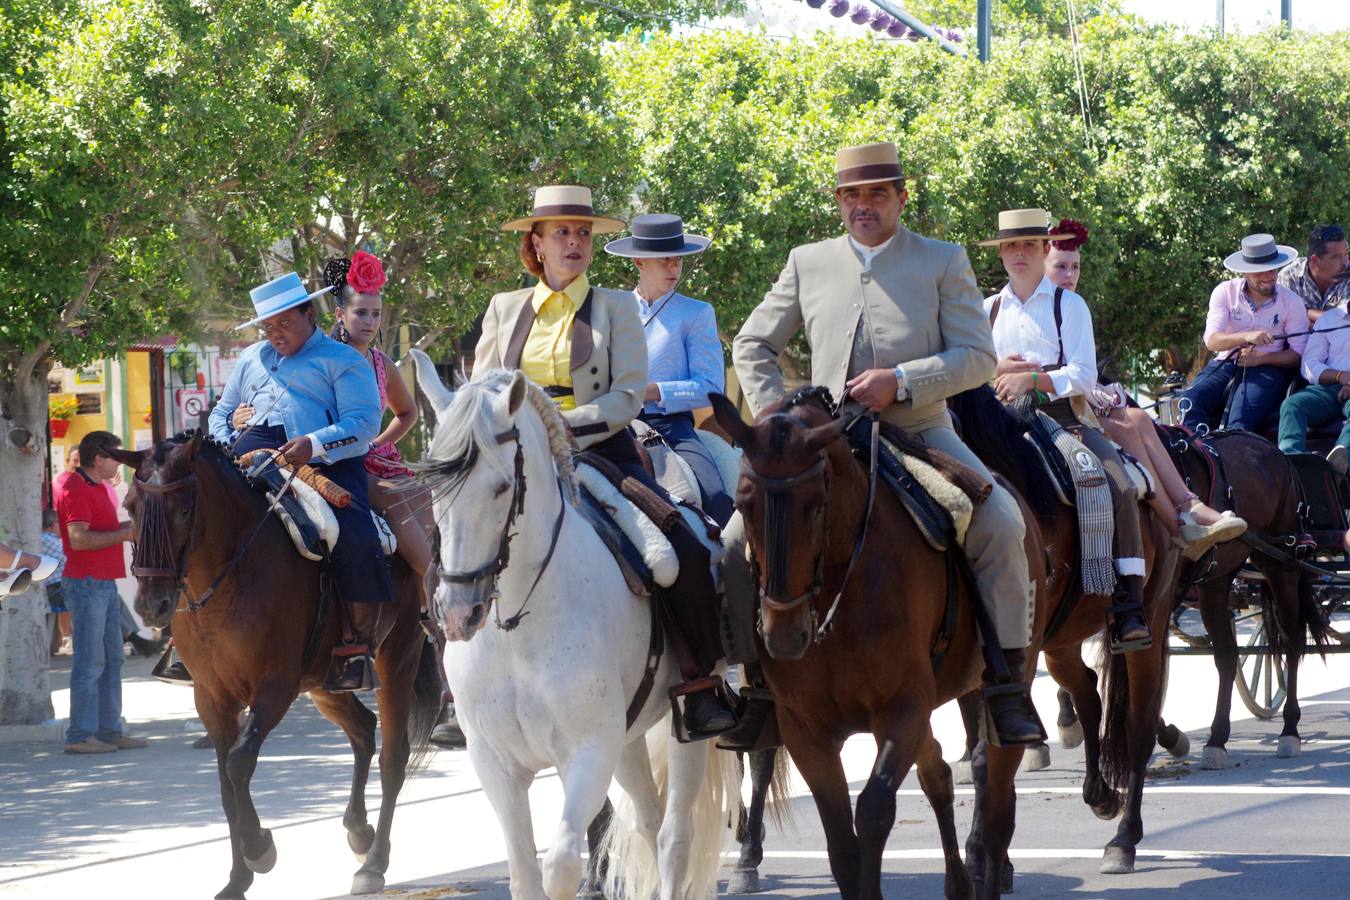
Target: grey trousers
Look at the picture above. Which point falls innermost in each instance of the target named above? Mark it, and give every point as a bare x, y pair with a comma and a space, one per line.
993, 546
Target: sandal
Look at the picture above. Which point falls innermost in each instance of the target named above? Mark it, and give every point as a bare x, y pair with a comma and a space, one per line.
40, 572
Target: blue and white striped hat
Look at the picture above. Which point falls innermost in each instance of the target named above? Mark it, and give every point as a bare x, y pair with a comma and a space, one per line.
278, 295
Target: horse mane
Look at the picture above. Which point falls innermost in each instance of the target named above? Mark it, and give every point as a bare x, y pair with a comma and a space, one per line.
464, 429
809, 393
998, 437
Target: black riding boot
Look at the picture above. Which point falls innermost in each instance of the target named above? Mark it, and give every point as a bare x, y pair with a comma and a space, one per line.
171, 669
1126, 624
355, 662
1007, 701
706, 713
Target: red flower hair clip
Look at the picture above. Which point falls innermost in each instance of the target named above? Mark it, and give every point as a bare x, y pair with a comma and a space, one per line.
1073, 227
366, 275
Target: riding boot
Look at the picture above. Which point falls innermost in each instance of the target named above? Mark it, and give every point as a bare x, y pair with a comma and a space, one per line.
356, 659
447, 734
171, 669
1009, 713
1126, 624
705, 712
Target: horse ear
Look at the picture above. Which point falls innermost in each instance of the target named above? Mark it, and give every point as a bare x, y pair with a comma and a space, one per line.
430, 383
515, 393
823, 435
132, 458
194, 446
729, 417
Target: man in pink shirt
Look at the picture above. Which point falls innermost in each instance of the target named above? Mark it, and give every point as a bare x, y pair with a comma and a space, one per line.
1258, 329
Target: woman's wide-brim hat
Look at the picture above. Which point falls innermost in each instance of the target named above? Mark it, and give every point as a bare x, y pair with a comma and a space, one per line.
277, 296
1023, 225
565, 202
657, 236
1260, 253
867, 164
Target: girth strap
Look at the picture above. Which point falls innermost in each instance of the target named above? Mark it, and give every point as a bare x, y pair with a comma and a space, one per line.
655, 647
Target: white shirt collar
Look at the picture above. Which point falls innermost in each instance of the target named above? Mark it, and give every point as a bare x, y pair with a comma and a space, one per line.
1044, 289
869, 253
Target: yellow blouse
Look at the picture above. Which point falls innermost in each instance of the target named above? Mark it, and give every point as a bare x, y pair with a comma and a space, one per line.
546, 358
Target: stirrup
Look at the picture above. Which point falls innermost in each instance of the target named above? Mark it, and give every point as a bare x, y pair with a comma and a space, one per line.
344, 657
991, 692
1119, 646
714, 684
756, 722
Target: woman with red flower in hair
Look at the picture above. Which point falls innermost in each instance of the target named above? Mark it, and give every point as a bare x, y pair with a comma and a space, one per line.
1195, 526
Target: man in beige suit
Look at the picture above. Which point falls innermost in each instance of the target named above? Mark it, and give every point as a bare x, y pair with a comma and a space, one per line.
897, 320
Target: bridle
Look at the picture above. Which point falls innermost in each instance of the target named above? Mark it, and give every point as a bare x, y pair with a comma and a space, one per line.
491, 571
777, 511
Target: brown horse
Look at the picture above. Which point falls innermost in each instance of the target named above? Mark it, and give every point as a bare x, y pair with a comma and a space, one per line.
1135, 682
1254, 479
209, 549
875, 671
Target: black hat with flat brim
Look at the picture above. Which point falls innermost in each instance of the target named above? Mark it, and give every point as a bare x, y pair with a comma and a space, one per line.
657, 236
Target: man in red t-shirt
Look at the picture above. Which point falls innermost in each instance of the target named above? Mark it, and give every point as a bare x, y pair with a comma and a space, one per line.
92, 535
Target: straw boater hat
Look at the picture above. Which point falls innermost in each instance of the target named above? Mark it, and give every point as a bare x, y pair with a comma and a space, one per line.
867, 164
657, 236
278, 295
1021, 225
1260, 253
564, 201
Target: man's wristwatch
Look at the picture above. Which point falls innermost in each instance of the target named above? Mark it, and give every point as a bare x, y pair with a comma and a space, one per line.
901, 391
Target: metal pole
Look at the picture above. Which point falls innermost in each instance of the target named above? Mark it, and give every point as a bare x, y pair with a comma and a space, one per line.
984, 25
921, 28
1219, 4
1287, 13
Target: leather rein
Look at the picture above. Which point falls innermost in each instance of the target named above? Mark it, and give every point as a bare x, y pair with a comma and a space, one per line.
492, 571
778, 492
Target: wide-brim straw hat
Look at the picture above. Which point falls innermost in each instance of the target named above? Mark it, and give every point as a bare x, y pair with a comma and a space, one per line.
277, 296
1260, 253
657, 236
565, 202
867, 164
1022, 225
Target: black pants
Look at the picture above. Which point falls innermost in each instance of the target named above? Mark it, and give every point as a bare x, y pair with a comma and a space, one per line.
691, 604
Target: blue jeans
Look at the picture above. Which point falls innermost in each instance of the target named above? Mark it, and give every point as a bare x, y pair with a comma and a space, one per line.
96, 664
1314, 405
679, 432
1257, 396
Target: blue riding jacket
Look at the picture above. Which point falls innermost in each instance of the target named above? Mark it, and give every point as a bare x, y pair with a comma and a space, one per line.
326, 391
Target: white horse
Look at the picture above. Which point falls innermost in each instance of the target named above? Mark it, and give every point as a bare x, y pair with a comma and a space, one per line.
550, 686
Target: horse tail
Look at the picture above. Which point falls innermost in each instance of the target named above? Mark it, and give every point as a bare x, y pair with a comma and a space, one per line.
633, 872
1114, 759
428, 695
1308, 621
779, 806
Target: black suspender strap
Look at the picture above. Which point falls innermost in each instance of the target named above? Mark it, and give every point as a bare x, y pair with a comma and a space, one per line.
1059, 320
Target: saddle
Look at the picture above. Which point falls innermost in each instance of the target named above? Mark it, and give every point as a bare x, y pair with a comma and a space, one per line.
305, 507
674, 474
938, 492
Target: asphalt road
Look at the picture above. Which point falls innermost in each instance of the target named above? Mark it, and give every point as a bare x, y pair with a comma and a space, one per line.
148, 822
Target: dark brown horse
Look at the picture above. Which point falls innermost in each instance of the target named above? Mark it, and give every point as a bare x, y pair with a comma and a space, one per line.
247, 604
1135, 682
875, 670
1254, 479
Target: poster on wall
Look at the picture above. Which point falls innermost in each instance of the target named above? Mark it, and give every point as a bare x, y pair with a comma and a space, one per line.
142, 439
88, 379
225, 368
192, 404
56, 381
89, 405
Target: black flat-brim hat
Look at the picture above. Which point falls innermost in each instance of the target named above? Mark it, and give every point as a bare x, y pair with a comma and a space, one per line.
657, 236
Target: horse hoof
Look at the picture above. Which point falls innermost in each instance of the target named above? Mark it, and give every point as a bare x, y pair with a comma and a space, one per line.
361, 839
744, 881
961, 772
1109, 808
1071, 736
1214, 758
263, 863
1117, 861
1180, 745
1289, 746
1005, 877
235, 889
1036, 758
367, 882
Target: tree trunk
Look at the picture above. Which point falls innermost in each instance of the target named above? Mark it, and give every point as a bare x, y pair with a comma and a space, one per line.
25, 690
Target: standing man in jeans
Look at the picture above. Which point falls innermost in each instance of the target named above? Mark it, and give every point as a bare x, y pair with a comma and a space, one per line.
92, 536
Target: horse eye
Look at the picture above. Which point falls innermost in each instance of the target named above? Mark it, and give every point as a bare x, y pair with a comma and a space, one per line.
501, 488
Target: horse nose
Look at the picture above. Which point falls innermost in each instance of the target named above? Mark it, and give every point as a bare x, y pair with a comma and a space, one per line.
477, 613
